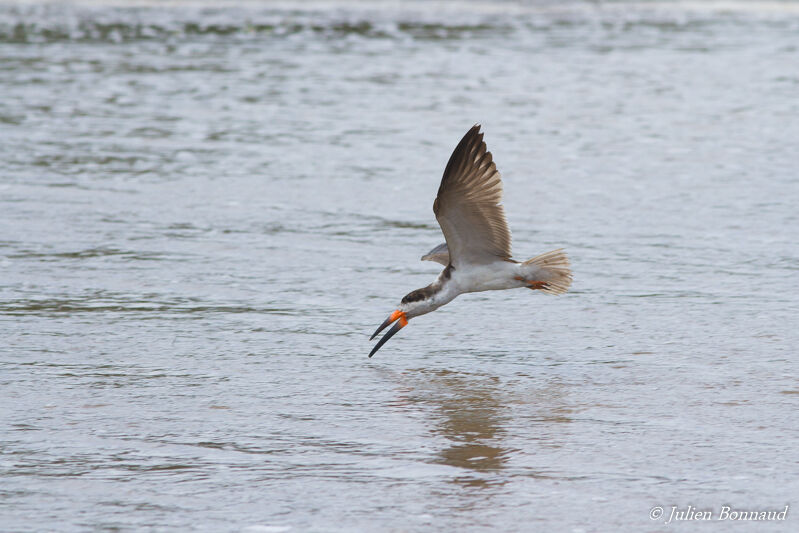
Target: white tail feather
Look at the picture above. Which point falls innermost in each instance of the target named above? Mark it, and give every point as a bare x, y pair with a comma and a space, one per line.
551, 268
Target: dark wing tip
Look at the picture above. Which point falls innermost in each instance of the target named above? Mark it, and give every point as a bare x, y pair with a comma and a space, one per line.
474, 132
472, 139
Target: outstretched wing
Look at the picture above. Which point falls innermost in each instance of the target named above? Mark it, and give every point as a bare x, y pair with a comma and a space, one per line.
468, 205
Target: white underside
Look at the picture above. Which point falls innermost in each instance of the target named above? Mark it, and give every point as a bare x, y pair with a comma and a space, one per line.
475, 278
494, 276
490, 277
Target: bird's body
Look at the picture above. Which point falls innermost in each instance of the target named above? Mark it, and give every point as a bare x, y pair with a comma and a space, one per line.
477, 252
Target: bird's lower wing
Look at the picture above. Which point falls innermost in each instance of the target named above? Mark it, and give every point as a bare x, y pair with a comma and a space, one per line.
439, 254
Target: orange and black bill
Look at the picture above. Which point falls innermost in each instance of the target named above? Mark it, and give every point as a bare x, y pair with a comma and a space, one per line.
401, 323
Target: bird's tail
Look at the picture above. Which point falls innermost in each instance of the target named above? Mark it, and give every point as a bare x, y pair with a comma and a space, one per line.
551, 268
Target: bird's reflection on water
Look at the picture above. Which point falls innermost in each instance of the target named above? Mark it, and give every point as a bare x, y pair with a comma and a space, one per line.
469, 414
478, 415
471, 417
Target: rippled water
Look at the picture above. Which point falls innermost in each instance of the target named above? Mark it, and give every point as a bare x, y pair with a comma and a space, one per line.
205, 211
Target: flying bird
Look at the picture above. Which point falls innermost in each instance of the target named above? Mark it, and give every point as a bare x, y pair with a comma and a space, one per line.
477, 251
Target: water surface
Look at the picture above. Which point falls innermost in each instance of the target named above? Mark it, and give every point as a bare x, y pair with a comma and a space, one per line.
205, 211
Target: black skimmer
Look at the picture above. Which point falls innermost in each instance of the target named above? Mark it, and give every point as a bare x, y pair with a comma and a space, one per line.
477, 253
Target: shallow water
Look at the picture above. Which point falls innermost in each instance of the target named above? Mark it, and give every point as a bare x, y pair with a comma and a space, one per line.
205, 212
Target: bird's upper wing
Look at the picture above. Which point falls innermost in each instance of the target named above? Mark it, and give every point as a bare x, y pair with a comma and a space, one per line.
468, 205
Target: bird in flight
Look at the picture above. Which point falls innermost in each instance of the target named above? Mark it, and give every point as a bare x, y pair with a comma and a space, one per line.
477, 253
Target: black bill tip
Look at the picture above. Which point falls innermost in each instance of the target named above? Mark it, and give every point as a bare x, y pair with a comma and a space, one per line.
398, 326
383, 326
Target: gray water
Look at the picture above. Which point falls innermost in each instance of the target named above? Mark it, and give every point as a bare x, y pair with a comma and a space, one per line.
206, 211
